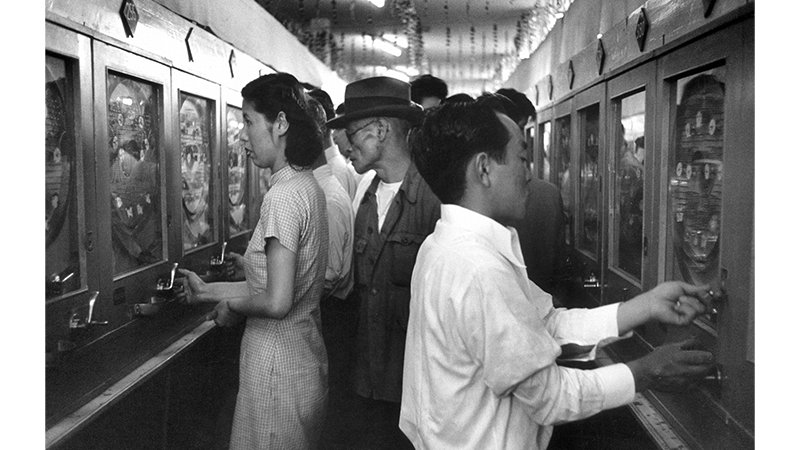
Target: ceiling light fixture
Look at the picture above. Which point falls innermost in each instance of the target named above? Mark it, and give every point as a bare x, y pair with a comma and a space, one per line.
410, 71
386, 46
378, 3
398, 40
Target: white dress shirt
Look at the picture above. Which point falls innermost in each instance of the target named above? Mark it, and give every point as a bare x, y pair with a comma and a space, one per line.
479, 369
338, 274
342, 170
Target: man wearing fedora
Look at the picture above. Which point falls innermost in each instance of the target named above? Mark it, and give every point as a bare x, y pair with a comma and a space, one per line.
396, 212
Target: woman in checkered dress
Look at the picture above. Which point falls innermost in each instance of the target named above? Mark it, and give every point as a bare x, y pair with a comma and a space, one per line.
283, 364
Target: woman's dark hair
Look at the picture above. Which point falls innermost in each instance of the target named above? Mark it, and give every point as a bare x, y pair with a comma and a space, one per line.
273, 93
450, 135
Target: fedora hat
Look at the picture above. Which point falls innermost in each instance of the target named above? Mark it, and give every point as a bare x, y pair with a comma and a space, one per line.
377, 97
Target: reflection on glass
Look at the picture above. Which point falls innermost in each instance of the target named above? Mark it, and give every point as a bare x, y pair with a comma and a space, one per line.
198, 217
629, 185
134, 140
544, 151
590, 180
237, 172
695, 186
62, 257
562, 143
529, 141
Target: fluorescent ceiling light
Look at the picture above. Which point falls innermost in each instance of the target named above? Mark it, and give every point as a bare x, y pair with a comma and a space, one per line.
386, 46
397, 40
378, 3
410, 71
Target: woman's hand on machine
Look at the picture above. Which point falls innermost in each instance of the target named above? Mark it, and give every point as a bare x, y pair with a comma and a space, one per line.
194, 288
239, 264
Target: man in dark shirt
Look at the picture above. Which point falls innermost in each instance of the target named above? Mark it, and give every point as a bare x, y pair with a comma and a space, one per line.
396, 212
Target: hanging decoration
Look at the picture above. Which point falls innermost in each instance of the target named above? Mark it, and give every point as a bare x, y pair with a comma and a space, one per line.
472, 49
531, 29
447, 43
407, 13
483, 50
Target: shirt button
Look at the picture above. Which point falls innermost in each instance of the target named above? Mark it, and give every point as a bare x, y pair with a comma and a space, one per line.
374, 291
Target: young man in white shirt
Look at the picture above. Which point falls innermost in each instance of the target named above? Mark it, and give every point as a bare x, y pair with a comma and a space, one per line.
480, 364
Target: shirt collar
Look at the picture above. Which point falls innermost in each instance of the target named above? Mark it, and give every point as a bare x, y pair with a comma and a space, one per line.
332, 152
288, 171
502, 238
410, 186
323, 171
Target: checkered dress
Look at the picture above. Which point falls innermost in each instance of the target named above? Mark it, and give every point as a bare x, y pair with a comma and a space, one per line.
283, 377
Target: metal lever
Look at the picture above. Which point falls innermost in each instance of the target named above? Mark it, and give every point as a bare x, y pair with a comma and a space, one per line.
715, 375
161, 286
591, 281
714, 380
75, 322
718, 298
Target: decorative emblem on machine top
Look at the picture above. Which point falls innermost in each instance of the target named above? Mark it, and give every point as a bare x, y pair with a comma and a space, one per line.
570, 75
642, 25
130, 17
600, 56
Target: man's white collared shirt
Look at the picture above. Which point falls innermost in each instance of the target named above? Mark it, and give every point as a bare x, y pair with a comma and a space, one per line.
479, 369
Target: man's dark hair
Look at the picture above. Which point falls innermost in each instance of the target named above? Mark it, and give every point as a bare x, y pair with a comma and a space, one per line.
461, 97
428, 86
498, 102
325, 100
450, 135
523, 107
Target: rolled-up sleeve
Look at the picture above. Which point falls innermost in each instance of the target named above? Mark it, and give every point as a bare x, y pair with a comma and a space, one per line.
558, 394
517, 343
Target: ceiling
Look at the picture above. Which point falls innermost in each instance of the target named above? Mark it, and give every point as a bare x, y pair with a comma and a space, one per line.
486, 37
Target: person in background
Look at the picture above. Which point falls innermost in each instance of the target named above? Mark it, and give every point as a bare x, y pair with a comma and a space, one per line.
395, 214
334, 156
428, 91
338, 275
283, 364
541, 231
458, 98
480, 365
